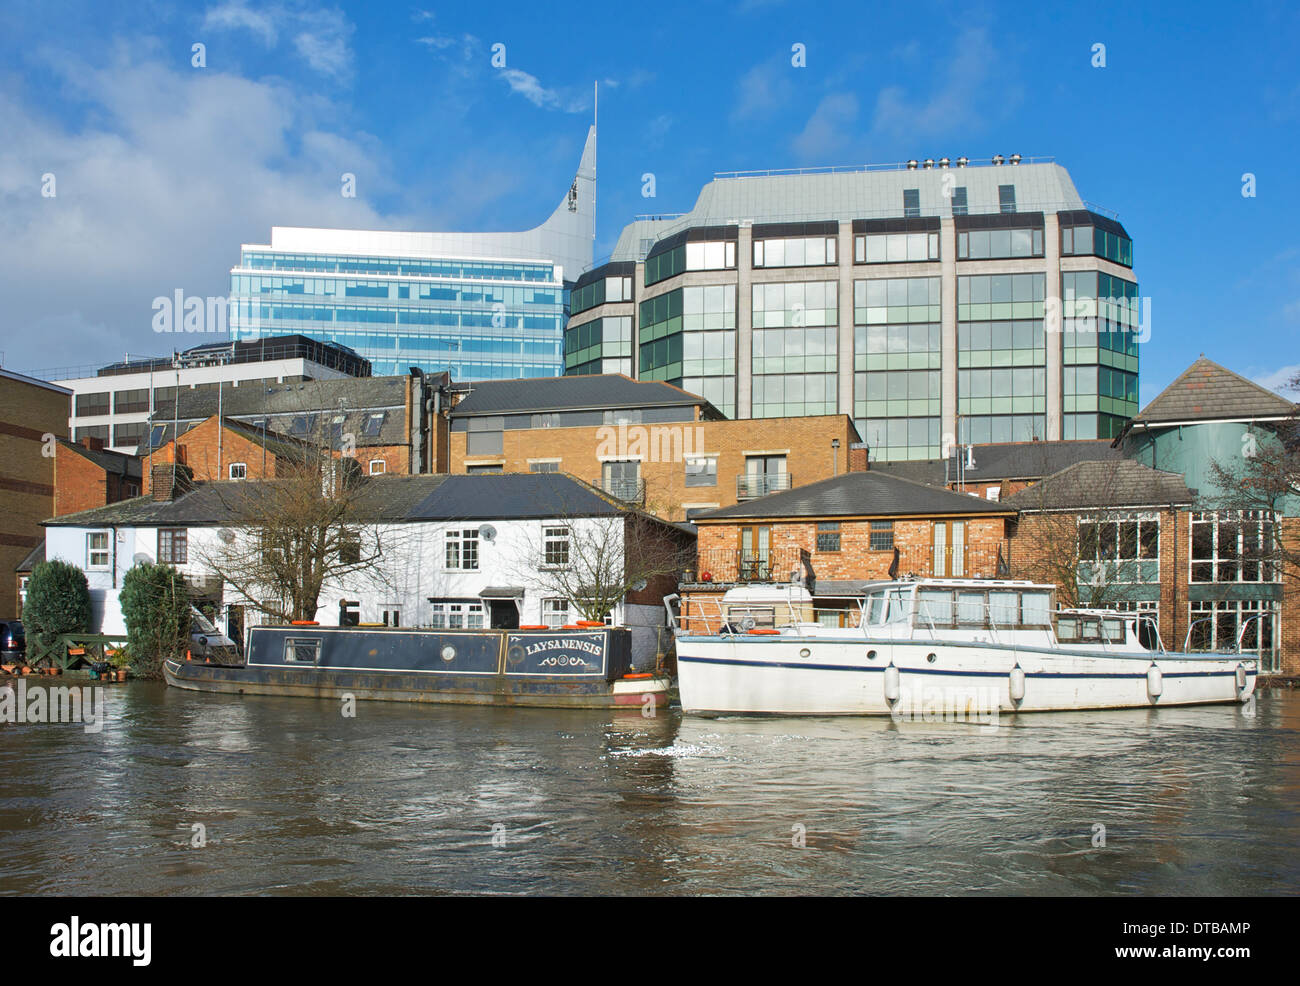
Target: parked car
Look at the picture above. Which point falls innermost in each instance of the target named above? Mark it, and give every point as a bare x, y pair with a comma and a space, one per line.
13, 640
206, 641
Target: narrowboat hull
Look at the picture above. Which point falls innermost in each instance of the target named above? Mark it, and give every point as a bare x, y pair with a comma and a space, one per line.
790, 674
552, 669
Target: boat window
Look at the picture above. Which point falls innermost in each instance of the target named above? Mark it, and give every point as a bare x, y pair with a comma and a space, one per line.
1113, 630
299, 650
1067, 629
1088, 629
970, 607
899, 608
763, 616
1004, 607
1036, 609
935, 607
875, 605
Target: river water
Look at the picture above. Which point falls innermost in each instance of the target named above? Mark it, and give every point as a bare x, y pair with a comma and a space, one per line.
182, 793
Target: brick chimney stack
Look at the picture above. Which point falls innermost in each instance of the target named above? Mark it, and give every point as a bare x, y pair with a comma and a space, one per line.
164, 485
858, 455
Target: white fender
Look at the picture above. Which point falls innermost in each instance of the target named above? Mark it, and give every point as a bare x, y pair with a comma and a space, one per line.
1017, 683
892, 689
1155, 681
1241, 677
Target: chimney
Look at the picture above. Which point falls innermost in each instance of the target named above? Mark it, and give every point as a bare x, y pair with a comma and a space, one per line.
92, 443
166, 485
858, 455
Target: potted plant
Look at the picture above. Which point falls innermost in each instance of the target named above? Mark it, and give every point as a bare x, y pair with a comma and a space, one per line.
120, 660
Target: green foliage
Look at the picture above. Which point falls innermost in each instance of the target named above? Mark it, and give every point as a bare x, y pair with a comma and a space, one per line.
58, 602
156, 606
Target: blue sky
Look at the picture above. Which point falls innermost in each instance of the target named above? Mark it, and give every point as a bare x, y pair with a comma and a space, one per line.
162, 169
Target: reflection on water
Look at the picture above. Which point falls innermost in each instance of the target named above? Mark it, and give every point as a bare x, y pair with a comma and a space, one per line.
294, 798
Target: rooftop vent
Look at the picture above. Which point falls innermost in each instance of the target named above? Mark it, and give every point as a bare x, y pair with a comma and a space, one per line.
944, 162
929, 163
1015, 158
911, 165
998, 159
962, 162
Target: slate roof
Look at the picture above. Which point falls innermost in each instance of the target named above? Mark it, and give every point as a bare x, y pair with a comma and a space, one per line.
1113, 483
858, 494
509, 496
33, 558
115, 463
1206, 391
597, 391
356, 398
1005, 460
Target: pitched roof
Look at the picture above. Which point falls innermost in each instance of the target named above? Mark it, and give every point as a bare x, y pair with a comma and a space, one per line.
1112, 483
509, 496
1005, 460
598, 391
32, 559
1206, 391
116, 463
858, 494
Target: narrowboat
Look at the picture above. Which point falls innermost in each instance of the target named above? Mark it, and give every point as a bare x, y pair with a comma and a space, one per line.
979, 646
578, 667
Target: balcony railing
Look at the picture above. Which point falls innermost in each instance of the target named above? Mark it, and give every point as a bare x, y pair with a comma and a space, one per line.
627, 490
986, 560
750, 485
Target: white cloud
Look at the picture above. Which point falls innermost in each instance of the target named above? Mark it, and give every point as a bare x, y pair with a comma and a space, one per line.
1280, 378
762, 90
531, 88
827, 132
322, 37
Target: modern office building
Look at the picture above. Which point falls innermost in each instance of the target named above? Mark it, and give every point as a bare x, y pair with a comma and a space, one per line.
112, 405
480, 306
935, 303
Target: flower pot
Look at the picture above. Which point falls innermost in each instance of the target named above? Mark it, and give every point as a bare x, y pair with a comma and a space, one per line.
121, 674
26, 669
8, 668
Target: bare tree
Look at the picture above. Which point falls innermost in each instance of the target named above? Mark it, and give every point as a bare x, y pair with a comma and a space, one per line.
289, 537
597, 563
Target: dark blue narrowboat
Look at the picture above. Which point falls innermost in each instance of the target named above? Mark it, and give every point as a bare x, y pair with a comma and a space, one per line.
543, 668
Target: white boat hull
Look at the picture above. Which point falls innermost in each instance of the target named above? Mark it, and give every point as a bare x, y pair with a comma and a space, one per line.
790, 674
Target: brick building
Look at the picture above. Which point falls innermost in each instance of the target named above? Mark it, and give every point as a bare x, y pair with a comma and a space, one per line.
389, 425
33, 414
834, 534
999, 470
646, 443
228, 449
87, 475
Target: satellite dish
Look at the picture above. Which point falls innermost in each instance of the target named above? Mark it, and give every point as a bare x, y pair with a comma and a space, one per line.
639, 585
143, 558
226, 535
487, 532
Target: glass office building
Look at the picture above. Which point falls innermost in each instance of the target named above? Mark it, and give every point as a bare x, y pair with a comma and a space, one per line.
481, 306
934, 302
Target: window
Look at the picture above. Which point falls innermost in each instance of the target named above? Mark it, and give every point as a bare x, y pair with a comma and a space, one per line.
552, 466
173, 546
1007, 198
895, 248
959, 207
391, 615
465, 614
814, 251
1234, 546
91, 404
555, 612
828, 536
97, 549
702, 472
349, 548
462, 549
549, 419
1216, 624
882, 535
911, 202
302, 424
992, 492
373, 423
999, 244
555, 546
300, 650
131, 401
378, 467
485, 469
156, 435
239, 470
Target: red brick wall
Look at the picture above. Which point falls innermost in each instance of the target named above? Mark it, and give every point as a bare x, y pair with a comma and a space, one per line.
80, 484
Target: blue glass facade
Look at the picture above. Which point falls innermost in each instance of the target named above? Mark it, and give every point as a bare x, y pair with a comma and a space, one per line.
479, 320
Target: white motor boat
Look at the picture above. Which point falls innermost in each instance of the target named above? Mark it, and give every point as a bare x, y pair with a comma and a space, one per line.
935, 647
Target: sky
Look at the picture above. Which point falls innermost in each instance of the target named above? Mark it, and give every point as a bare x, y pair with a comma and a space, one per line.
161, 167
